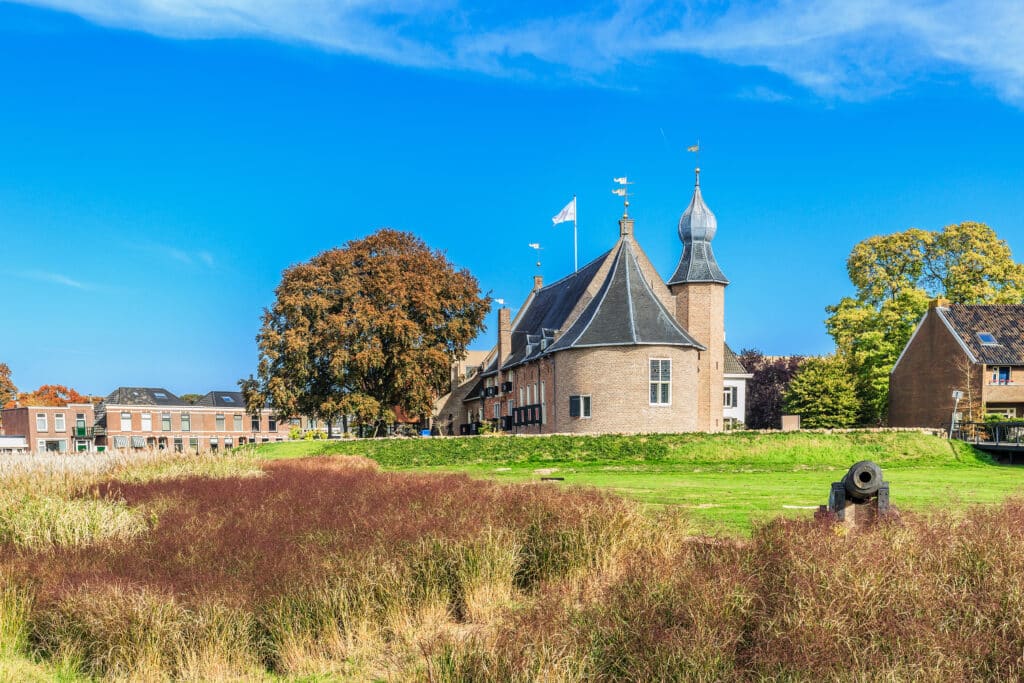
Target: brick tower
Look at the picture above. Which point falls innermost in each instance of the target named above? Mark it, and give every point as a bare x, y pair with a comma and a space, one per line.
698, 286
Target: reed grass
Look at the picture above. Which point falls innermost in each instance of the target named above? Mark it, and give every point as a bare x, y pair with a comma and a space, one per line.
328, 569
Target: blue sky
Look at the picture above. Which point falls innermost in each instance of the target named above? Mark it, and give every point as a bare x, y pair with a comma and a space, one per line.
162, 162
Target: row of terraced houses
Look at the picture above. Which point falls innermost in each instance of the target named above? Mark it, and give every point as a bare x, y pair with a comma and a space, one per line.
141, 418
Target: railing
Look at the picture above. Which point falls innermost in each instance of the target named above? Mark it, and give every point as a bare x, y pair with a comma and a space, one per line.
1003, 433
82, 432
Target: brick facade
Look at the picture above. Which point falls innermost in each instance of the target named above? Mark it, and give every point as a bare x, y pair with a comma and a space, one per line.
61, 429
700, 308
187, 428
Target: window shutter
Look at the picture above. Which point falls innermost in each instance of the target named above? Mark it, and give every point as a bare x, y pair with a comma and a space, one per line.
574, 406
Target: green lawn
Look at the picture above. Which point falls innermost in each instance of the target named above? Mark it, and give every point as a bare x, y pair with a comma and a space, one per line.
726, 481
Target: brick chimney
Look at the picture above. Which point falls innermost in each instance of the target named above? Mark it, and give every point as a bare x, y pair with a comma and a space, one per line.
938, 302
504, 334
538, 282
625, 226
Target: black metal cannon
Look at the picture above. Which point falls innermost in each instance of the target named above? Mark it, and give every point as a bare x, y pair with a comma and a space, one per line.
863, 485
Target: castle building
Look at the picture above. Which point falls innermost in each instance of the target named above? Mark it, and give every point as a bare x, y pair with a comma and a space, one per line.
610, 348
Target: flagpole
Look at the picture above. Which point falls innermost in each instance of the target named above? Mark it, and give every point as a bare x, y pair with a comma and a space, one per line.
575, 247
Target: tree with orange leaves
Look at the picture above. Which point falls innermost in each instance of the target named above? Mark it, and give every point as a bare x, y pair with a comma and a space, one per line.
51, 395
8, 392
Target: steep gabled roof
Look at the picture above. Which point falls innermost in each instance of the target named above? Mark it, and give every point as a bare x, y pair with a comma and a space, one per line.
1004, 322
625, 311
548, 310
142, 396
732, 365
222, 399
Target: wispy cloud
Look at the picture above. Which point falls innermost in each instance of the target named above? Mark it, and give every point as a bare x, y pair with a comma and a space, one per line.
833, 48
55, 278
175, 254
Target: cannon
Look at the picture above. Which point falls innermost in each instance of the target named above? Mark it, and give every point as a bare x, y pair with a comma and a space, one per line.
862, 495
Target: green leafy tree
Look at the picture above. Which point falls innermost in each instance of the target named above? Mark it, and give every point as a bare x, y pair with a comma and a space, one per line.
822, 394
191, 399
367, 328
894, 277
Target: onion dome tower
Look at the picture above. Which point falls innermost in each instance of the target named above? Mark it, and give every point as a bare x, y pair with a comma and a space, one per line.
698, 286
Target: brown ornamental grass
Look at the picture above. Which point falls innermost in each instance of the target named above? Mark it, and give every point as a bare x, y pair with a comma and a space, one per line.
325, 569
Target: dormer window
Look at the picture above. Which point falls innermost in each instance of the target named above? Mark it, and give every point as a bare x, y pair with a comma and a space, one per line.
987, 339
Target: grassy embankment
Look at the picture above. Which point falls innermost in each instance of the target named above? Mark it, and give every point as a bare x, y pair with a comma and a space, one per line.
232, 568
726, 481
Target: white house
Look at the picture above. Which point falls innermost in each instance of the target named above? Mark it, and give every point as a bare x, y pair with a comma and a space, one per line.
735, 378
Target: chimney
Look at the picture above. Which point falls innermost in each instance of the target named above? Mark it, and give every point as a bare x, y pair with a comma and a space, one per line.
625, 226
504, 334
538, 282
938, 302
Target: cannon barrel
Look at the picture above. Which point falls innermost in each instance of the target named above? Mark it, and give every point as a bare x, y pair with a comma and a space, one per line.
863, 480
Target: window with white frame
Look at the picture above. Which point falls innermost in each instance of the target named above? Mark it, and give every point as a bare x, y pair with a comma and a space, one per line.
186, 422
58, 422
661, 381
147, 422
238, 422
220, 422
579, 406
165, 422
41, 423
543, 404
730, 397
126, 422
497, 409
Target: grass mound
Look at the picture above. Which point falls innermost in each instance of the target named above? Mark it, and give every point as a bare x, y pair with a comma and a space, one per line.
769, 452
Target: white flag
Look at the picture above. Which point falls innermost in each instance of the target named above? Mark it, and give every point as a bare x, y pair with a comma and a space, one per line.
566, 214
621, 181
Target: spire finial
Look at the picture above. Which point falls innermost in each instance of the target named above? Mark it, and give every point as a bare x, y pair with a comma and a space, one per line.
698, 177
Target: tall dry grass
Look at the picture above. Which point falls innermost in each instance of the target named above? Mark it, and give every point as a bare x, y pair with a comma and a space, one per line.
330, 569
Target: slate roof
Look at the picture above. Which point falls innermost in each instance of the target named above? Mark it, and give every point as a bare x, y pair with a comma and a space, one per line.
548, 311
697, 227
1004, 322
222, 399
142, 396
625, 311
733, 366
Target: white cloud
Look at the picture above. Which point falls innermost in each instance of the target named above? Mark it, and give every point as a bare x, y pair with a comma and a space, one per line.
176, 254
846, 49
55, 278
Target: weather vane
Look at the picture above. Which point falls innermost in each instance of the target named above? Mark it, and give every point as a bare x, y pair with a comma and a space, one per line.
696, 151
536, 246
623, 192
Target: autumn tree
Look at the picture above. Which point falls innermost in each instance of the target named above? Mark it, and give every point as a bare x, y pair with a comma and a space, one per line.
822, 394
8, 392
771, 378
894, 277
191, 399
366, 328
52, 395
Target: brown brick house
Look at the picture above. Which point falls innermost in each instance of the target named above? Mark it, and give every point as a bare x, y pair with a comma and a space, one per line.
612, 347
977, 350
135, 418
52, 429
